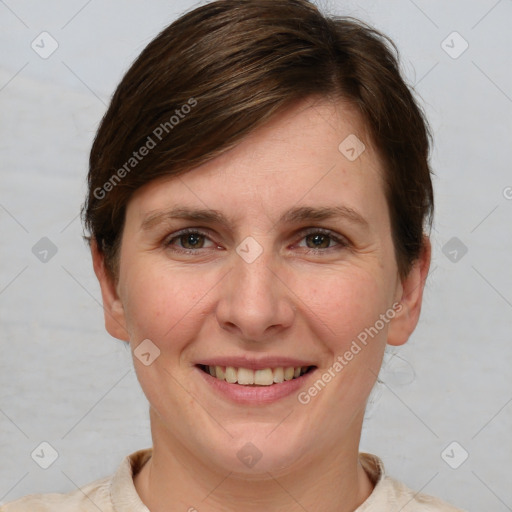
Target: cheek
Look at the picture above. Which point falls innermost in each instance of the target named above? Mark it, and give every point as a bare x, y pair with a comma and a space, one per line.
161, 302
344, 308
344, 303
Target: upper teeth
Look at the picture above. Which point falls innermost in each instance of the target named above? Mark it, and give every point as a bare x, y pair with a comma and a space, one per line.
265, 377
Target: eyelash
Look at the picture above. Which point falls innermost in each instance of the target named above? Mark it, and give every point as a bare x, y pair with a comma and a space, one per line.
341, 241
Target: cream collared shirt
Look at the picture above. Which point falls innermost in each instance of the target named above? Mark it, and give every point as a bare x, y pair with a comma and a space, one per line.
117, 493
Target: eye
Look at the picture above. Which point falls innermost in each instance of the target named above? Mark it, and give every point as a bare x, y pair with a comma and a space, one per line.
316, 240
188, 240
321, 239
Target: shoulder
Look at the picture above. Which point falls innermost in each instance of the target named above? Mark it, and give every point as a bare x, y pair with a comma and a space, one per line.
407, 500
391, 495
113, 493
90, 498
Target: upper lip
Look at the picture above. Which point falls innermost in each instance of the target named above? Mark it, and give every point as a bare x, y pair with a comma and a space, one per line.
255, 363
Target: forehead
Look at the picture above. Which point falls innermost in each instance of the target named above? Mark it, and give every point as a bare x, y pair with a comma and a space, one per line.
312, 154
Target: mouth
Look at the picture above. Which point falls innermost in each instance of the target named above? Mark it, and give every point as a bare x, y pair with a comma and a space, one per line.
255, 377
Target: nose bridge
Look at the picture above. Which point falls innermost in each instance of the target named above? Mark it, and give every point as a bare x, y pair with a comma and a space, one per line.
254, 277
253, 299
252, 280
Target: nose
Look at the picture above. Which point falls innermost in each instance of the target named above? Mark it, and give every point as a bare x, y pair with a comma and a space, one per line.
255, 302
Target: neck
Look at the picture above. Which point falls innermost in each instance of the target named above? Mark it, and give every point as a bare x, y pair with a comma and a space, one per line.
176, 480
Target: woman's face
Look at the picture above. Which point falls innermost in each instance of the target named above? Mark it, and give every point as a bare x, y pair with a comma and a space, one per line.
288, 262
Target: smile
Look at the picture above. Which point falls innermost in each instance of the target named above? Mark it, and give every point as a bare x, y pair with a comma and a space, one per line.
261, 377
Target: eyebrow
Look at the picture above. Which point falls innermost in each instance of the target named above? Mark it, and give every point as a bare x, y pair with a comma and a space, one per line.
294, 215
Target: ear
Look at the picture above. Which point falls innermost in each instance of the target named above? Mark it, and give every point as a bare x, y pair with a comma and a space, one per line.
410, 296
115, 321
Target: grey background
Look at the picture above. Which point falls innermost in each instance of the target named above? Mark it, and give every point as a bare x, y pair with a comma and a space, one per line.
63, 380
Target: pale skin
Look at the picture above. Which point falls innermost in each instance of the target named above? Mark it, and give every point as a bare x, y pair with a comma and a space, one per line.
293, 300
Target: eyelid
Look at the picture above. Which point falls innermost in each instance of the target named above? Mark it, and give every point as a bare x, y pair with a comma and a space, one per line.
173, 236
340, 240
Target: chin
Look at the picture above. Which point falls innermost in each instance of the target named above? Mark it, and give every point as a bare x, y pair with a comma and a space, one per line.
255, 450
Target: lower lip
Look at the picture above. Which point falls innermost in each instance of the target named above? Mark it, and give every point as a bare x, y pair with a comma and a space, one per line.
255, 395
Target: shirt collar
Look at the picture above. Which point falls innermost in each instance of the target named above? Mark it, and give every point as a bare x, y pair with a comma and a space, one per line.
123, 494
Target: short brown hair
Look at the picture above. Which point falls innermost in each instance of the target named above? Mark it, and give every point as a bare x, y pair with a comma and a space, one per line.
224, 69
